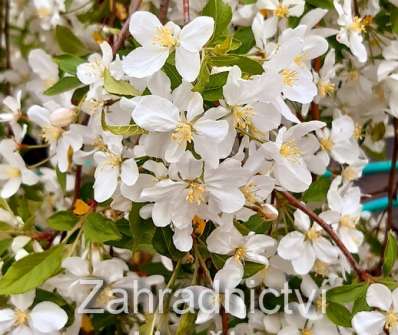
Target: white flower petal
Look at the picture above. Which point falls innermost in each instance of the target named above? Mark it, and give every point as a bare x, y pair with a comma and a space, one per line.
144, 61
48, 317
196, 33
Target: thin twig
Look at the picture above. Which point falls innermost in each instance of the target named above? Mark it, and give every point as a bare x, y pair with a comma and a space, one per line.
224, 320
363, 275
185, 8
164, 8
124, 32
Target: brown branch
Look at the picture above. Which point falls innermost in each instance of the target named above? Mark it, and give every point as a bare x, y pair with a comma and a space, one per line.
164, 8
391, 192
224, 321
362, 275
124, 32
185, 8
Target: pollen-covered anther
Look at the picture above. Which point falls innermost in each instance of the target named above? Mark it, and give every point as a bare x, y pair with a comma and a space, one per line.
21, 317
289, 77
183, 133
240, 253
391, 319
357, 25
51, 134
248, 192
281, 11
196, 193
164, 37
306, 331
290, 150
13, 172
326, 143
242, 116
326, 88
313, 234
347, 221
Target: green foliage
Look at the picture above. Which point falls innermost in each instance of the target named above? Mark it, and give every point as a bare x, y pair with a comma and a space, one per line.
390, 253
62, 220
221, 12
338, 314
347, 293
63, 85
318, 190
69, 42
128, 130
142, 231
186, 326
97, 228
163, 243
68, 63
118, 87
246, 64
31, 271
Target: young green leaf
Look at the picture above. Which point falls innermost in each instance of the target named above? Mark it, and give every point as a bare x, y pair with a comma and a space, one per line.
62, 220
63, 85
69, 42
163, 243
221, 12
318, 190
338, 314
141, 230
390, 254
128, 130
118, 87
347, 293
68, 63
97, 228
31, 271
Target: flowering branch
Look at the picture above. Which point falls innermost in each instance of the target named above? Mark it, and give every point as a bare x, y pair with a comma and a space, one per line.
124, 32
363, 275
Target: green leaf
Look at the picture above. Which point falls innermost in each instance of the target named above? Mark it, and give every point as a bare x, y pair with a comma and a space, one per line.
68, 63
218, 260
252, 268
186, 325
142, 231
360, 305
68, 42
246, 37
63, 85
347, 293
394, 20
173, 75
163, 243
221, 12
118, 87
338, 314
62, 220
32, 271
61, 177
4, 245
128, 130
97, 228
390, 253
326, 4
246, 64
203, 77
318, 190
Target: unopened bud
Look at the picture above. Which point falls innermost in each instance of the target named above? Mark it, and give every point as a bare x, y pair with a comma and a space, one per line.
269, 212
62, 117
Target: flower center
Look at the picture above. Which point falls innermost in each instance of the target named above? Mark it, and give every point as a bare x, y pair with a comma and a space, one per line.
195, 193
290, 150
306, 331
349, 173
281, 11
358, 132
43, 12
182, 133
13, 172
347, 221
321, 268
105, 295
357, 25
312, 234
299, 59
353, 75
326, 88
242, 116
248, 192
240, 253
21, 317
289, 77
326, 144
114, 160
51, 134
164, 37
391, 319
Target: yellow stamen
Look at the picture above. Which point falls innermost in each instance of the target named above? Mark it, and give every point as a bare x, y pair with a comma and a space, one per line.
281, 11
391, 320
195, 193
290, 150
13, 172
248, 192
358, 132
183, 133
313, 234
242, 116
43, 12
51, 134
21, 317
349, 173
326, 143
299, 59
306, 331
357, 25
200, 225
165, 38
289, 77
353, 75
321, 268
240, 254
326, 88
105, 296
348, 221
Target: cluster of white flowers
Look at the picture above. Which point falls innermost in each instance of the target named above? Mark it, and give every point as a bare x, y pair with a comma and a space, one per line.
217, 151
